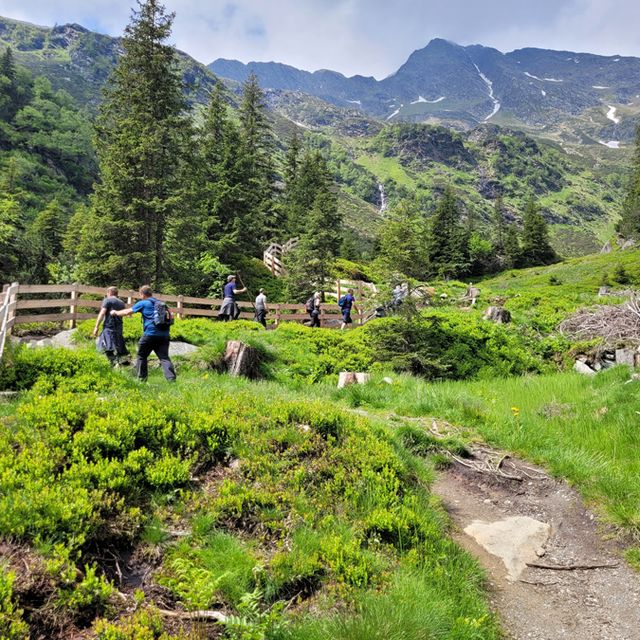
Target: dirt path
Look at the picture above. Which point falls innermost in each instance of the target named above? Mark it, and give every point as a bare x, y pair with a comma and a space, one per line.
542, 521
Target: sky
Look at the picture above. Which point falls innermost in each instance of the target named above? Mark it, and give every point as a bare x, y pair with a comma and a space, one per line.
367, 37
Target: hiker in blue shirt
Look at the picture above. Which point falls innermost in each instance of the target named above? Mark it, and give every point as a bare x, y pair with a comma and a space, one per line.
229, 309
155, 335
346, 303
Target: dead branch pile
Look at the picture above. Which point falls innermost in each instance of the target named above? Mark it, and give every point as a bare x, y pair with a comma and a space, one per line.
614, 324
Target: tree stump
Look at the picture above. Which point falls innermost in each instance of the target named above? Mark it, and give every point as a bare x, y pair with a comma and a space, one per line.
350, 377
497, 315
241, 360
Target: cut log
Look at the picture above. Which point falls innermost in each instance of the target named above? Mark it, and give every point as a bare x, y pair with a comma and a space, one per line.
626, 356
350, 377
497, 315
241, 360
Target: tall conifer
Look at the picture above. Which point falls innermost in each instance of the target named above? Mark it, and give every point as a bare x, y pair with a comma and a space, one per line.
141, 138
536, 249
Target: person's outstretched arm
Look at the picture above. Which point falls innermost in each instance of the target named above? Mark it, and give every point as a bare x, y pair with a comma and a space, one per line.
99, 319
122, 312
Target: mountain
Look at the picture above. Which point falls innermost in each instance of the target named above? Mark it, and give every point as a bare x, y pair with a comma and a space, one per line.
579, 97
79, 61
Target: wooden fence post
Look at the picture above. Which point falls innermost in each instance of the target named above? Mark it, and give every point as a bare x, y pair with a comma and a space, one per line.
180, 307
73, 309
276, 308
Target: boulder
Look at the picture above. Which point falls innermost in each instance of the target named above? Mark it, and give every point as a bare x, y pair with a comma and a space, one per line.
497, 315
626, 356
65, 339
582, 367
603, 291
607, 248
178, 348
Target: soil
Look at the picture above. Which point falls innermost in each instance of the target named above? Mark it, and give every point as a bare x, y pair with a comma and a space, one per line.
535, 603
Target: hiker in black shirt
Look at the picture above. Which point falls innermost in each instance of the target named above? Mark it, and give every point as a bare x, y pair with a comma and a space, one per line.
111, 340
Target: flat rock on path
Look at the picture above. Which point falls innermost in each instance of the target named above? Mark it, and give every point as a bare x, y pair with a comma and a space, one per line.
506, 524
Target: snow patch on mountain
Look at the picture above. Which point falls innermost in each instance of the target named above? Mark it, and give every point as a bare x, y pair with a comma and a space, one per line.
355, 101
395, 113
530, 75
611, 114
598, 86
543, 92
421, 99
612, 144
489, 83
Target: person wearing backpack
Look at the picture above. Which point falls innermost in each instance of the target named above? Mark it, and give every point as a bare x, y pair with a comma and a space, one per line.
156, 325
312, 307
346, 303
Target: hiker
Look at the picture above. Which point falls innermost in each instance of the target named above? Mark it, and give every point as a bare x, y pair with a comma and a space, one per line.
346, 303
111, 341
261, 308
230, 309
312, 307
156, 324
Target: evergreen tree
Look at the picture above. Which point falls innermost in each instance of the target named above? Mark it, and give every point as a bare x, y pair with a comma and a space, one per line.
45, 239
310, 264
402, 241
8, 93
142, 135
447, 241
512, 249
629, 225
536, 249
257, 145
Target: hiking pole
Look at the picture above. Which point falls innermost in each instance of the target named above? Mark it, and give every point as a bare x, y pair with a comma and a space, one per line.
248, 293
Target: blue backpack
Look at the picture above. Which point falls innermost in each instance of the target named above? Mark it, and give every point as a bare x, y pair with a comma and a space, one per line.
343, 301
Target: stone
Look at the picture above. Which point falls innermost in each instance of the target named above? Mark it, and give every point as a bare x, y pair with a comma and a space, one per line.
65, 339
603, 291
346, 378
497, 315
387, 380
178, 348
626, 356
582, 367
607, 248
515, 541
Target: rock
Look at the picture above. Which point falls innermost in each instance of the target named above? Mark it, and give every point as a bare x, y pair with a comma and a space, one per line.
626, 356
181, 348
607, 248
603, 291
387, 380
65, 339
583, 368
515, 540
362, 378
628, 244
497, 315
241, 359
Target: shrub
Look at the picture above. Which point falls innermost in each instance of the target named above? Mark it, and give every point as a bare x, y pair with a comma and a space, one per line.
12, 627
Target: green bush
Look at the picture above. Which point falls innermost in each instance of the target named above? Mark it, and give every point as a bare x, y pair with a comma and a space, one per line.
12, 627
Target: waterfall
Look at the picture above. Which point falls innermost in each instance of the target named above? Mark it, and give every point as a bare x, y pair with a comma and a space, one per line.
383, 197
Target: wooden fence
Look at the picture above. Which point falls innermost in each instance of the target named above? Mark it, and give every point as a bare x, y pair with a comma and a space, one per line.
44, 303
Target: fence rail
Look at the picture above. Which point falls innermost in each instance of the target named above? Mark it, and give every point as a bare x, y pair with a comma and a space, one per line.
20, 305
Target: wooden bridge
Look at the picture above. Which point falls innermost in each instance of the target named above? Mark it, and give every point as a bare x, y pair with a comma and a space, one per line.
22, 304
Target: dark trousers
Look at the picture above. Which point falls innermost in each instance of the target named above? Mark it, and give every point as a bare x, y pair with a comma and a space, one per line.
261, 317
315, 318
160, 346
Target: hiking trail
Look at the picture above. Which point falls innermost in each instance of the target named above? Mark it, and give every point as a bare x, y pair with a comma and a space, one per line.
586, 590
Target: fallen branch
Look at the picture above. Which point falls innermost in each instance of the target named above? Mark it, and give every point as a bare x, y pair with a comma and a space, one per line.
216, 616
571, 567
539, 584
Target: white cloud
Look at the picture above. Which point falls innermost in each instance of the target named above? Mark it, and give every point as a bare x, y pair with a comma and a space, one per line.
370, 37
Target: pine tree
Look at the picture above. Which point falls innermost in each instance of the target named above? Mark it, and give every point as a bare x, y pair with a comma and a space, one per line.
142, 135
8, 91
257, 145
402, 241
499, 226
310, 264
512, 248
629, 225
536, 249
447, 242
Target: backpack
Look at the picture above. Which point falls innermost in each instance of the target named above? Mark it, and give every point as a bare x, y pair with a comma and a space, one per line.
309, 305
342, 301
162, 317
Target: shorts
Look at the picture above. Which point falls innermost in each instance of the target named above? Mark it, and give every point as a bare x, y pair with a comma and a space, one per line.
346, 316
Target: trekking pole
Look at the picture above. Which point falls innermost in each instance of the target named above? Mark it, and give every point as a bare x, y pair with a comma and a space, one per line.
248, 292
